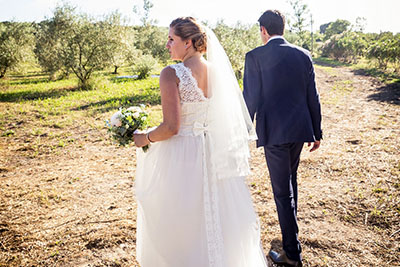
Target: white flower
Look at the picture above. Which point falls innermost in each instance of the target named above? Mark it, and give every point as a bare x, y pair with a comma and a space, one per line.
136, 115
134, 109
115, 119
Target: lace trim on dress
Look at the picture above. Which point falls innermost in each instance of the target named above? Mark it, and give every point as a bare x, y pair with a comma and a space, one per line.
189, 90
211, 209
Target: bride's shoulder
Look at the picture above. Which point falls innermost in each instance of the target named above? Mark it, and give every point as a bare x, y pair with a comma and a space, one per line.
173, 69
168, 73
174, 66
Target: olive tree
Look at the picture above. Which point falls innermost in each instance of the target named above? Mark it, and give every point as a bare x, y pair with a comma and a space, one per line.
149, 38
123, 51
79, 43
16, 44
237, 41
49, 40
385, 48
347, 46
337, 27
396, 52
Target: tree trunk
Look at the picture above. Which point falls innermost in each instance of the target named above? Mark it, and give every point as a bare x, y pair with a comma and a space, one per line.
115, 70
52, 76
3, 72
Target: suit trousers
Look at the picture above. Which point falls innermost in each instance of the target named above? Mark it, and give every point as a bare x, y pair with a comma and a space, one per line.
283, 161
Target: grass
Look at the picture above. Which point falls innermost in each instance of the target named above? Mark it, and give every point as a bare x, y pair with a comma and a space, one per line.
339, 88
371, 68
363, 67
38, 112
324, 61
67, 192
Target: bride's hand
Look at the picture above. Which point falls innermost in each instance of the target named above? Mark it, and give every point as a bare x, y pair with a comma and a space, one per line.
140, 140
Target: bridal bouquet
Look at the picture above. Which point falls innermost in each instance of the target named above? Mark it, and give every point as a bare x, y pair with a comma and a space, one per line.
125, 122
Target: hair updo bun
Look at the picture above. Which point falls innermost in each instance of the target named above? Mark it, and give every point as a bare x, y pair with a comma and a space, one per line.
188, 28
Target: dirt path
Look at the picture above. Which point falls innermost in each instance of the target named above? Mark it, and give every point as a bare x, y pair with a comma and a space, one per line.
77, 207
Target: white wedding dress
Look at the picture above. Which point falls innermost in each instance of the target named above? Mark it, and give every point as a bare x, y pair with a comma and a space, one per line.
187, 217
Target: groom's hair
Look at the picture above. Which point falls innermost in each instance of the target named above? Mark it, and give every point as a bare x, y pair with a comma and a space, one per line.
273, 21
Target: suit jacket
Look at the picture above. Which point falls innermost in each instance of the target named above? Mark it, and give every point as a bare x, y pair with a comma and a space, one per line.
280, 91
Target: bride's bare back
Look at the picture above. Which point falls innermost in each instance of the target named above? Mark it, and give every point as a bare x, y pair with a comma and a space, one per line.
198, 66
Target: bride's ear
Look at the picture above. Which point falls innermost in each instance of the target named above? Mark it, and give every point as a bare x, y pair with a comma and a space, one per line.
188, 43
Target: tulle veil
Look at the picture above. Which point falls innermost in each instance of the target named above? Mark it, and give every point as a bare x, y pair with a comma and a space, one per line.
230, 125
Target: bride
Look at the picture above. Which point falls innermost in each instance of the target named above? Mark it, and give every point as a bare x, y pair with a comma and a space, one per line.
194, 208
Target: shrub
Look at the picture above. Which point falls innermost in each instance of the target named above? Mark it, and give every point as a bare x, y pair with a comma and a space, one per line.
385, 48
144, 65
347, 46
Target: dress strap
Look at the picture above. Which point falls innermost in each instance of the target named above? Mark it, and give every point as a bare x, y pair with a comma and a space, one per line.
188, 86
179, 71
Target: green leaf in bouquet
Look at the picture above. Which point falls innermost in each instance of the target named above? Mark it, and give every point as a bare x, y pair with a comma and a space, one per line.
122, 131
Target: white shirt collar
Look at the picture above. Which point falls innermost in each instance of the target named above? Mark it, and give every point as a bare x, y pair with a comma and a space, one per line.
276, 37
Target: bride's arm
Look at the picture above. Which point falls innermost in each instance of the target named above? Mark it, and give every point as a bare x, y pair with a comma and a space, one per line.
171, 109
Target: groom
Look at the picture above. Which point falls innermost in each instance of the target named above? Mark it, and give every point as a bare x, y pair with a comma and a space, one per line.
279, 89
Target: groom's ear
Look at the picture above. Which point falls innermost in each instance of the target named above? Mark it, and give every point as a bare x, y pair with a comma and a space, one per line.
263, 30
264, 34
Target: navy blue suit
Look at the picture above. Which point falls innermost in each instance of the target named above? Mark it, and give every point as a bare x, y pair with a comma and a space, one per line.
280, 91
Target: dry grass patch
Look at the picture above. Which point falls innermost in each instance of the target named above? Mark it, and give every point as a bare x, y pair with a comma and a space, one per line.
66, 193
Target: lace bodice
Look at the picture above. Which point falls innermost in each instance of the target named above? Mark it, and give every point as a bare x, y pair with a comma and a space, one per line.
189, 90
194, 105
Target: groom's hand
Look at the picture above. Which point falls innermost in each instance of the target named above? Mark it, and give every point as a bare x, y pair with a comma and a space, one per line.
315, 145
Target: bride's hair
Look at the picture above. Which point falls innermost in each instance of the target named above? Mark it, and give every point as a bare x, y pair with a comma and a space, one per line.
188, 28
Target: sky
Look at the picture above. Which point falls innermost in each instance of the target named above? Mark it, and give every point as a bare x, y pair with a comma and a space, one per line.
380, 15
